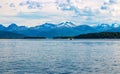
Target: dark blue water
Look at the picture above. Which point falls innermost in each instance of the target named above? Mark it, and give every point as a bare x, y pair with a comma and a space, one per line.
59, 56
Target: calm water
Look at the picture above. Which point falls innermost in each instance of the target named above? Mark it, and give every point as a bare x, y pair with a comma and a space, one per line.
59, 56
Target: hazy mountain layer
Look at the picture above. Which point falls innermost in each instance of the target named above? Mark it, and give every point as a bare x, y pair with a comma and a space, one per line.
63, 29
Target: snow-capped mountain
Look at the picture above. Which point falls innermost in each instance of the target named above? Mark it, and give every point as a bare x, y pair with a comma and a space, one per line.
53, 30
66, 24
50, 30
102, 27
108, 28
115, 28
115, 25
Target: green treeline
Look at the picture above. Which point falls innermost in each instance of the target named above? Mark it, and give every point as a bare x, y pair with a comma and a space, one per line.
102, 35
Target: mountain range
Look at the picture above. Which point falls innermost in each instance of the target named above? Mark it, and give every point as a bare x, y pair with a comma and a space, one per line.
49, 30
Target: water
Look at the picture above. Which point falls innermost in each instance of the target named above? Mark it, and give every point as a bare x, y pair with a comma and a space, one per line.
59, 56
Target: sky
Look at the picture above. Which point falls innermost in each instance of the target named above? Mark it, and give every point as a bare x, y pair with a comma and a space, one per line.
36, 12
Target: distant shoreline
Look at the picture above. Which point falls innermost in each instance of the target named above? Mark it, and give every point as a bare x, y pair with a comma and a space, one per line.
101, 35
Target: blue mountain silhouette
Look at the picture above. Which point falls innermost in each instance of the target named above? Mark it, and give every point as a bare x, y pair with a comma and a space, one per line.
50, 30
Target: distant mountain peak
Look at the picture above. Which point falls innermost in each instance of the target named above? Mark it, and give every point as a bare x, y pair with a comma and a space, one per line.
62, 29
66, 24
44, 26
115, 25
48, 25
2, 27
12, 25
104, 25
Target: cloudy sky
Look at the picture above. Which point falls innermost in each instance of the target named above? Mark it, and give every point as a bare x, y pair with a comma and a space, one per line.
36, 12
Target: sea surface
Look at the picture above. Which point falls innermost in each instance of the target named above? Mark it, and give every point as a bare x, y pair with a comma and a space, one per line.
80, 56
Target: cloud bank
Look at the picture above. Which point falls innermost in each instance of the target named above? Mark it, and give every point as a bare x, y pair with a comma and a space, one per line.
35, 12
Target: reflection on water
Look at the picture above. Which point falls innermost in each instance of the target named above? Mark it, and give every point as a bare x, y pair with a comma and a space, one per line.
59, 57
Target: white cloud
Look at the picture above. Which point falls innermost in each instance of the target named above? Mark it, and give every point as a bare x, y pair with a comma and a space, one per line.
34, 12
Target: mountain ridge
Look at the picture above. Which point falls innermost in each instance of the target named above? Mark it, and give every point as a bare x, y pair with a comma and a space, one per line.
50, 30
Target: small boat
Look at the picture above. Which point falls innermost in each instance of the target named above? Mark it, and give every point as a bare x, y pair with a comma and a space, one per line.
70, 38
